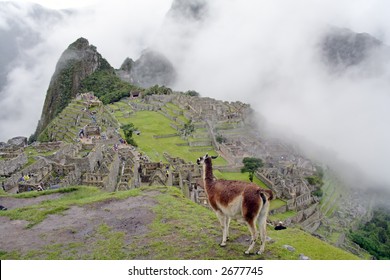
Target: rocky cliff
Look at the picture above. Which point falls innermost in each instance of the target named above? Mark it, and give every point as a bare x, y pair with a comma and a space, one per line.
77, 62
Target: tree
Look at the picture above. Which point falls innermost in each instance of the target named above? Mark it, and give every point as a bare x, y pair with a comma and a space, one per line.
251, 165
128, 130
221, 139
188, 129
192, 93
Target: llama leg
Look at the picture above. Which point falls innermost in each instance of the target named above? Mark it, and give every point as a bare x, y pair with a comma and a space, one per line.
262, 237
222, 219
227, 227
263, 226
252, 229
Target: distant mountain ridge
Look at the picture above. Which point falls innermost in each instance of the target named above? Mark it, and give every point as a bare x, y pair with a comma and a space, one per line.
150, 69
342, 49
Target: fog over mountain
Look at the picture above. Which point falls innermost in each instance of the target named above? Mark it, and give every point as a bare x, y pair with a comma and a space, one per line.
317, 71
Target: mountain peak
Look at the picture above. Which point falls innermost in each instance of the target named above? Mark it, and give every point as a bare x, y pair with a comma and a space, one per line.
343, 48
77, 62
80, 44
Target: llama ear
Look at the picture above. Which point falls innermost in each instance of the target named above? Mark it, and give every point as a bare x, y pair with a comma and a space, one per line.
214, 157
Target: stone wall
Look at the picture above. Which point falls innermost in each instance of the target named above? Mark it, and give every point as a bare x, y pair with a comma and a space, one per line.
110, 182
37, 168
200, 143
9, 166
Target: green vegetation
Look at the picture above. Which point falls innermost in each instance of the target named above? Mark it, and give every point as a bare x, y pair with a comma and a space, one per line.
152, 125
220, 139
192, 93
251, 165
159, 90
317, 182
128, 130
180, 229
306, 244
107, 86
281, 216
188, 129
374, 236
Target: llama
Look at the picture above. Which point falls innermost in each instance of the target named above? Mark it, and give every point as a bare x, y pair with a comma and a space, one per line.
236, 199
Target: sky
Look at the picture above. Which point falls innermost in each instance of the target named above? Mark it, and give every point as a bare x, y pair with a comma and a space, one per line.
262, 52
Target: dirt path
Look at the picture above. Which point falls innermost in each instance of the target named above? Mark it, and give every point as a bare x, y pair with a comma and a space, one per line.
77, 224
12, 203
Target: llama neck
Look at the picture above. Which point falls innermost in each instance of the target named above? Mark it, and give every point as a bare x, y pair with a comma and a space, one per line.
207, 174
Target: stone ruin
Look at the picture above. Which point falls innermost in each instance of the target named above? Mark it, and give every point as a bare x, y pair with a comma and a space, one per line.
12, 155
284, 171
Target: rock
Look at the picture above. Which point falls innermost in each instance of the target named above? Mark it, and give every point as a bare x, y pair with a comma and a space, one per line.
303, 257
18, 141
288, 247
150, 69
269, 239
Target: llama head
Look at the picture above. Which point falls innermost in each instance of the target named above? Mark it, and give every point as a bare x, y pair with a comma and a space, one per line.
205, 158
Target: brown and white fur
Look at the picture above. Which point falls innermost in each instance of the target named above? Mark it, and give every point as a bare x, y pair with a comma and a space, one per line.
237, 199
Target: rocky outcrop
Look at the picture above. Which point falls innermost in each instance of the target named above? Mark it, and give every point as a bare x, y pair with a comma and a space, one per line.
342, 48
78, 61
152, 68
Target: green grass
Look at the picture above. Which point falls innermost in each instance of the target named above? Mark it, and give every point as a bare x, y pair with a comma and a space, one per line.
181, 229
153, 123
306, 244
239, 176
282, 216
185, 230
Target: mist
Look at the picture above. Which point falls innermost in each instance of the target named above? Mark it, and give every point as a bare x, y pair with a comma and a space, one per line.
265, 53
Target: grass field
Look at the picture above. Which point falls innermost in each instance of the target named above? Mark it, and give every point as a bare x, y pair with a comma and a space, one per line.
180, 229
152, 124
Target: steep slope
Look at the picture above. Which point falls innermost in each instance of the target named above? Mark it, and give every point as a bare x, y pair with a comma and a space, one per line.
77, 62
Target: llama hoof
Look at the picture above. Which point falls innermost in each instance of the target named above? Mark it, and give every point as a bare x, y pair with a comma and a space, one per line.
259, 252
222, 245
247, 252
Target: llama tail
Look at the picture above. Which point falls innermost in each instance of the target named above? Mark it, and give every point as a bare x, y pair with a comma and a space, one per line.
266, 195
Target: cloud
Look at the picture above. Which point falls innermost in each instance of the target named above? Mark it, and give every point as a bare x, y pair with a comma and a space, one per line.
267, 53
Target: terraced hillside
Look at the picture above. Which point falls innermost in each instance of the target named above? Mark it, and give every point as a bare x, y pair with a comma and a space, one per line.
75, 116
342, 209
161, 131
